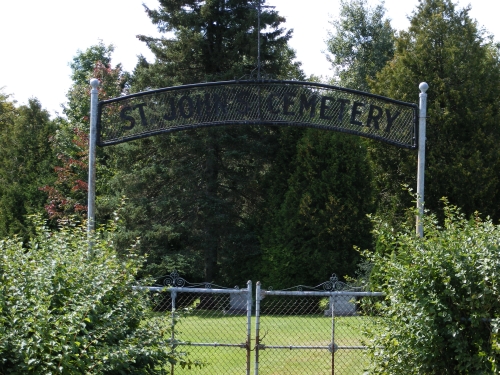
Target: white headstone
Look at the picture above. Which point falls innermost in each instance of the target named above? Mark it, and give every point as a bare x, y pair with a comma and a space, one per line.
344, 306
237, 304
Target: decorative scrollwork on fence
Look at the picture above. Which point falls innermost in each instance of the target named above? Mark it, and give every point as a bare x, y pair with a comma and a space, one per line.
335, 285
174, 280
332, 285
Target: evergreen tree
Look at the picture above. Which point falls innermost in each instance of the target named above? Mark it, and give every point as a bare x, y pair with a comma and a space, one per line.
214, 40
196, 195
312, 222
26, 160
323, 214
445, 48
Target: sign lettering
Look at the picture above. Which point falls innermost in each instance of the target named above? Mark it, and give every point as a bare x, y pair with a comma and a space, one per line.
265, 103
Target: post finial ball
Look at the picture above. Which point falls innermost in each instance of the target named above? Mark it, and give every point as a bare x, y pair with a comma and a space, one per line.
94, 82
423, 87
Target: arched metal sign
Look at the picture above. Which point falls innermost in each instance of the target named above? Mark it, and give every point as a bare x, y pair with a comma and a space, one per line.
262, 102
281, 103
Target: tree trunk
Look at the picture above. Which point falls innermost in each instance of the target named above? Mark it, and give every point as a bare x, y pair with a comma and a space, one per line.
211, 223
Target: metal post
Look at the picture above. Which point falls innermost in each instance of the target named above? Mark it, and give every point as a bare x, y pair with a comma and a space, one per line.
333, 334
421, 158
249, 325
259, 10
258, 43
257, 327
173, 295
92, 156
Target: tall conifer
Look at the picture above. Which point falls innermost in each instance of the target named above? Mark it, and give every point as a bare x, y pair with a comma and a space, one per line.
447, 49
195, 195
323, 214
26, 163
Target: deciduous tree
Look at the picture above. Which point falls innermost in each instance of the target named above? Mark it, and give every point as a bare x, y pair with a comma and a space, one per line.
67, 196
440, 314
361, 42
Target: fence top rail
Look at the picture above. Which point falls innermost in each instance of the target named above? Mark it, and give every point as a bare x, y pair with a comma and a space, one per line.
191, 290
332, 285
320, 294
264, 292
174, 282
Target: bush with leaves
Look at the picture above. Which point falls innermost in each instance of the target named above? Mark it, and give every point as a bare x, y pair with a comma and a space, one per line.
65, 310
441, 314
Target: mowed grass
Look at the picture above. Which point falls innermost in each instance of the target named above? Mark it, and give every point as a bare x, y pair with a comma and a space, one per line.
206, 326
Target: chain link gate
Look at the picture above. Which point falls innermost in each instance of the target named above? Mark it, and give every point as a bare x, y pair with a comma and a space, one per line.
215, 330
311, 330
301, 330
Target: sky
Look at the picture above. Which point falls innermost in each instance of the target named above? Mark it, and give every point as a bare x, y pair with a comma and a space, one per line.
38, 39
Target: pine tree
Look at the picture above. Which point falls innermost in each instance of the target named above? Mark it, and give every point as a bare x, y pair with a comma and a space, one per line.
323, 214
445, 48
214, 40
26, 160
311, 222
195, 195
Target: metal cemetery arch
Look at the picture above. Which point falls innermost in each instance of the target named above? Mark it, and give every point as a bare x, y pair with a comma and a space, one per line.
260, 102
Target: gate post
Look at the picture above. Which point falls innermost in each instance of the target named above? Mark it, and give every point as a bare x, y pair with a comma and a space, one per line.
421, 157
249, 324
173, 295
92, 157
257, 327
94, 98
333, 335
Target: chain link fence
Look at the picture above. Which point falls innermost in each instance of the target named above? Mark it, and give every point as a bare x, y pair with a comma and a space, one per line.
302, 330
313, 332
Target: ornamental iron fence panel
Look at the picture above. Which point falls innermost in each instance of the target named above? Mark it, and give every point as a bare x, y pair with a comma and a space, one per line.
302, 330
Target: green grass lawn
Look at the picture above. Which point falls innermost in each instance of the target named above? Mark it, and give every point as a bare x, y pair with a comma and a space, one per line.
205, 326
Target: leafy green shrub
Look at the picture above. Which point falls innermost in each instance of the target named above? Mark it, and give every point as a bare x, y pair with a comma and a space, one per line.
66, 311
442, 307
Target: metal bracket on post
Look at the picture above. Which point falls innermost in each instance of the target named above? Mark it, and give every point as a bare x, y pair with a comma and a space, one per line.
92, 157
421, 158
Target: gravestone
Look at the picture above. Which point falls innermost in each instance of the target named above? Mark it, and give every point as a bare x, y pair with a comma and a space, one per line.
344, 306
237, 305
